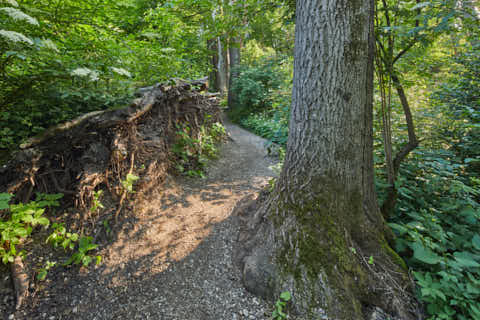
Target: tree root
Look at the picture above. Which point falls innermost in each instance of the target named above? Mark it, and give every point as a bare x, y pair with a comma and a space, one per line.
20, 281
124, 193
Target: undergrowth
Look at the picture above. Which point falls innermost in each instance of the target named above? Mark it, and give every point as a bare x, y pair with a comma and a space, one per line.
437, 224
18, 221
193, 153
437, 217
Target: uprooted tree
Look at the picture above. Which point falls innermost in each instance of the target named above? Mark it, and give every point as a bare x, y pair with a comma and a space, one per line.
98, 150
319, 234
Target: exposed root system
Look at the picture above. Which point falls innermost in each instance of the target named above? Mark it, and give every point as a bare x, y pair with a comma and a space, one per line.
100, 148
97, 151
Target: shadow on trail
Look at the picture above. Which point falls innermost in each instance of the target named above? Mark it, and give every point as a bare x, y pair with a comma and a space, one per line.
169, 256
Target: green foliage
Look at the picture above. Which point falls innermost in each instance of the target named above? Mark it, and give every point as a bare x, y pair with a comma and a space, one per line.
61, 238
82, 255
42, 272
129, 182
18, 220
264, 86
59, 62
437, 223
371, 261
273, 128
280, 305
193, 153
264, 91
96, 204
459, 99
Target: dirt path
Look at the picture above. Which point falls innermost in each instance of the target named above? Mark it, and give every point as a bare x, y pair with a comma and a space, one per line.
172, 260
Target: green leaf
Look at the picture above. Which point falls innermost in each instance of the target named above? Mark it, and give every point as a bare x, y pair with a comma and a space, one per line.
423, 254
399, 228
22, 232
421, 5
65, 243
86, 260
4, 199
285, 296
84, 241
132, 177
466, 259
91, 246
476, 241
27, 218
42, 274
43, 221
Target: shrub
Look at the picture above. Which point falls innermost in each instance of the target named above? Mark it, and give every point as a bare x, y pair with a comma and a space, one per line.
259, 85
193, 153
18, 220
437, 222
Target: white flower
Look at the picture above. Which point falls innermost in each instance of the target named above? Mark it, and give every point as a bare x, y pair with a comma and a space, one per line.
15, 37
85, 72
121, 72
167, 50
81, 72
151, 35
49, 44
18, 15
13, 3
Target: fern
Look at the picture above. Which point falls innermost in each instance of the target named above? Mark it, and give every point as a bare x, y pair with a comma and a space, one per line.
15, 37
19, 15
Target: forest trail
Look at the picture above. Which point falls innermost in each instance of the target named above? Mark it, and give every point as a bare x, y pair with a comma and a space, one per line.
173, 259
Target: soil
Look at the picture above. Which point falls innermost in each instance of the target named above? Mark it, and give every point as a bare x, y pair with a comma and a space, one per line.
170, 257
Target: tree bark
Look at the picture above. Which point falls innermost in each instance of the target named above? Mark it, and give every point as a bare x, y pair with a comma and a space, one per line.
320, 234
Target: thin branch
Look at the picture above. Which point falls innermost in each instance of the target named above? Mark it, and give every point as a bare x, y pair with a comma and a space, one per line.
404, 50
412, 138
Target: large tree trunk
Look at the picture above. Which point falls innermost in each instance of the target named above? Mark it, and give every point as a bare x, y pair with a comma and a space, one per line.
212, 77
234, 54
218, 77
320, 234
222, 66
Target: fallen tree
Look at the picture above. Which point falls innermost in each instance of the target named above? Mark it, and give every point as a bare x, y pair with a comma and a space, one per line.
99, 149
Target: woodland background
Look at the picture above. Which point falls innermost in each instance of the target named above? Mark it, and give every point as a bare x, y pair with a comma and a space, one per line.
63, 58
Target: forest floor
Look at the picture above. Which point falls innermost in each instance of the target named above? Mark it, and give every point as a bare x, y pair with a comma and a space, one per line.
172, 257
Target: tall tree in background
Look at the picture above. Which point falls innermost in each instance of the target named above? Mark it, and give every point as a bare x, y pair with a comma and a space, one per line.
234, 55
320, 234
